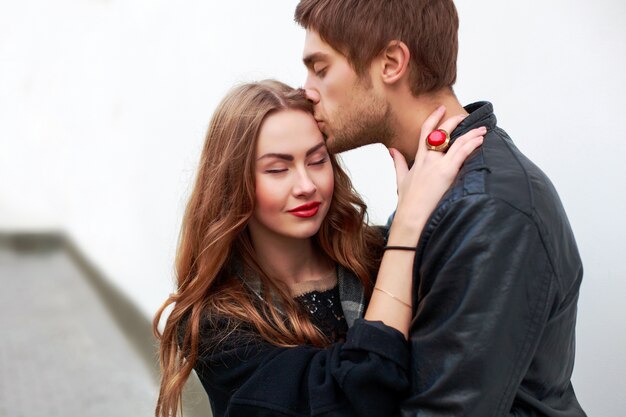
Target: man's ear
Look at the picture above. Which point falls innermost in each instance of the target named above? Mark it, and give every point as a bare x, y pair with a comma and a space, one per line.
395, 62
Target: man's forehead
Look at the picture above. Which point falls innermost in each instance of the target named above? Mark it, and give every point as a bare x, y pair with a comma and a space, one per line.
314, 45
316, 49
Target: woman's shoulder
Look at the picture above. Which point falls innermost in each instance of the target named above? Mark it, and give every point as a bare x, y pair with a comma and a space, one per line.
219, 333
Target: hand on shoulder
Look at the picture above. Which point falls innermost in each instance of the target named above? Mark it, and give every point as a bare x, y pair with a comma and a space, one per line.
420, 188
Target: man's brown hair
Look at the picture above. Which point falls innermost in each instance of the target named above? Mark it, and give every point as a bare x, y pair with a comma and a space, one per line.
361, 29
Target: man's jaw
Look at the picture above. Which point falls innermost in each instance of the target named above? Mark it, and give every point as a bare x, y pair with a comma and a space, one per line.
321, 125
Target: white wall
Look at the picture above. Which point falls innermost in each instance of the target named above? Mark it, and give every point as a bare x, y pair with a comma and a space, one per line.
103, 107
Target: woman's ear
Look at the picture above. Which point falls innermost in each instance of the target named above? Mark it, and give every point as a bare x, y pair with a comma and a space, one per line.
395, 62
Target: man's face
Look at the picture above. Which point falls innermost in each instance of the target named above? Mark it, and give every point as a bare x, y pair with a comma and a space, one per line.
350, 110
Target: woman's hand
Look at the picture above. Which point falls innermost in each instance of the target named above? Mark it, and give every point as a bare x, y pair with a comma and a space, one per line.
421, 187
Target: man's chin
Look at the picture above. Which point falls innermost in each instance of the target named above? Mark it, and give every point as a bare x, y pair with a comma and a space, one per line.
330, 142
334, 146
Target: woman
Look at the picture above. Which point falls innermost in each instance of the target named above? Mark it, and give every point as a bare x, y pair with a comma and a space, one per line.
275, 263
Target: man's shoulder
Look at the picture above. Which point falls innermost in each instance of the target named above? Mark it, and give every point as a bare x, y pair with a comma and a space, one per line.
499, 170
500, 188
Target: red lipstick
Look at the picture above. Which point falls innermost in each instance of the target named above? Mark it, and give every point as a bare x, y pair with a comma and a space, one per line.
306, 210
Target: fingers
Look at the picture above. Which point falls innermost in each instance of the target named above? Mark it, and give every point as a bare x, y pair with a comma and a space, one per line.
464, 146
432, 123
452, 122
428, 126
400, 165
466, 150
462, 140
463, 152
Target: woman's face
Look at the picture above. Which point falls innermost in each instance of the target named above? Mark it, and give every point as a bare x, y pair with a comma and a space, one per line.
294, 177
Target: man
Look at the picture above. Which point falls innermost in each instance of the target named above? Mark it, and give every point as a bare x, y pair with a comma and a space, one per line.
497, 271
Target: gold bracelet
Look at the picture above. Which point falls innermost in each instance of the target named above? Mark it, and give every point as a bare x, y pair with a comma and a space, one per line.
394, 297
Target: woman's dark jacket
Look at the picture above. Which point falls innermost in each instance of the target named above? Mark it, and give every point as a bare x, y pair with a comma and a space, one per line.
366, 375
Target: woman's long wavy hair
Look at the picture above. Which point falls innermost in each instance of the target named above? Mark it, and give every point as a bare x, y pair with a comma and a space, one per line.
214, 235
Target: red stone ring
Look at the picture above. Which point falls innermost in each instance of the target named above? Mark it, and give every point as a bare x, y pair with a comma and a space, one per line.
438, 140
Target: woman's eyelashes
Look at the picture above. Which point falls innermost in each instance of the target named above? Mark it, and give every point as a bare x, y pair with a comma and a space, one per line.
314, 162
275, 170
320, 161
318, 158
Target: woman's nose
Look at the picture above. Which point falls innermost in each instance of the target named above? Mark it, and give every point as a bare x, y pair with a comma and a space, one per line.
304, 185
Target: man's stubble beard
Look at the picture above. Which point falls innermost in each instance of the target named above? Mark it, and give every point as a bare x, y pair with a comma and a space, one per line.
366, 120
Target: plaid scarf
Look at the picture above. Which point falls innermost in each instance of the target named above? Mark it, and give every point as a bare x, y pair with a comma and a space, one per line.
351, 292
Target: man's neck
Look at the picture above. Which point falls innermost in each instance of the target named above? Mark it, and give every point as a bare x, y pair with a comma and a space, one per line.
411, 112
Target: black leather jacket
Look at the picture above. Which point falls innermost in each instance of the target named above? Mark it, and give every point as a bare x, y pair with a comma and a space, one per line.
497, 277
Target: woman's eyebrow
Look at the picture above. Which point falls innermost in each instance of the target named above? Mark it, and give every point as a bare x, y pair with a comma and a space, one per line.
284, 156
315, 148
288, 157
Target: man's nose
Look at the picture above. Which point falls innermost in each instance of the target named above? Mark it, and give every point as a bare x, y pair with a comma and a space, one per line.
311, 94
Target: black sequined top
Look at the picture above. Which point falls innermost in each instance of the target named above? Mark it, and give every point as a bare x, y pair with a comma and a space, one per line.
326, 313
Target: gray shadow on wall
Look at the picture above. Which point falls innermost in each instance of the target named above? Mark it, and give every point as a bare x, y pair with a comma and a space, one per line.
74, 344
